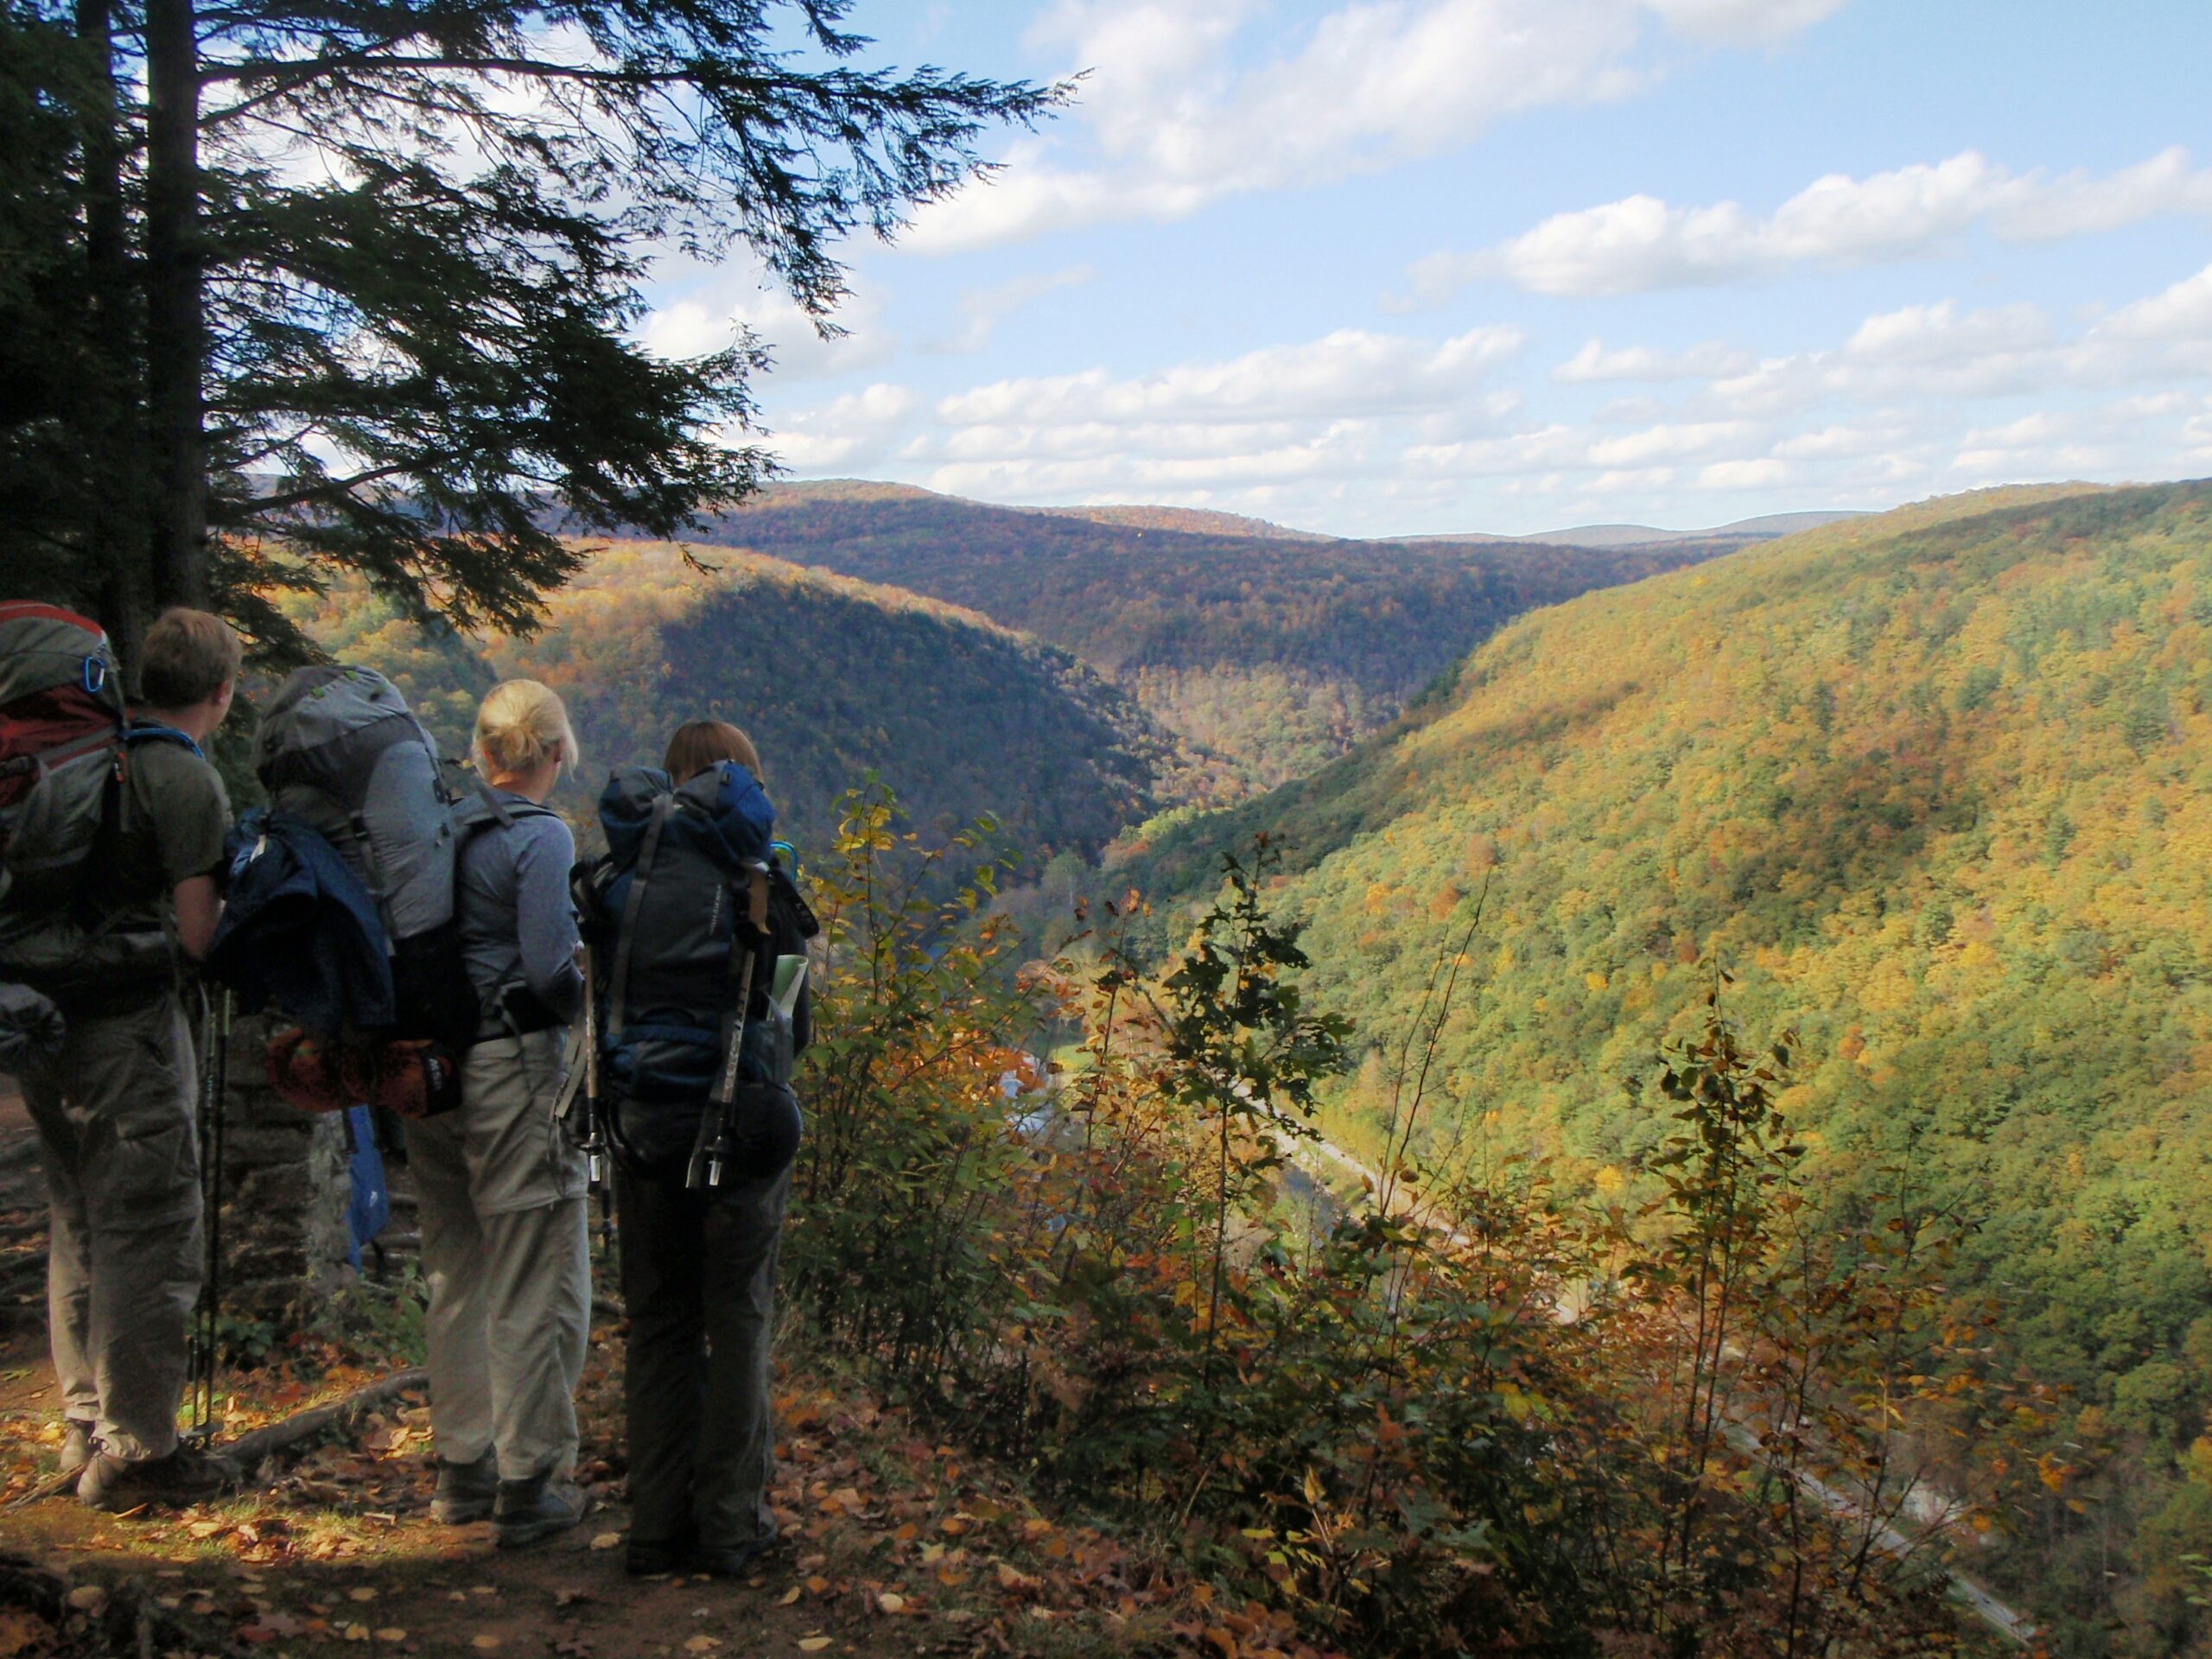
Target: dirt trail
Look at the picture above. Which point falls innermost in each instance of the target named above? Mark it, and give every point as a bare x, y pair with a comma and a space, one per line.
893, 1545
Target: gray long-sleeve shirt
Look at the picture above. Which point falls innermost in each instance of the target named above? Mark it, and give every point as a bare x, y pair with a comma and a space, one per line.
518, 923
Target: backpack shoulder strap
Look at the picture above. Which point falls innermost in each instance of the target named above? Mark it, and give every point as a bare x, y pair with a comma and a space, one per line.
140, 731
487, 809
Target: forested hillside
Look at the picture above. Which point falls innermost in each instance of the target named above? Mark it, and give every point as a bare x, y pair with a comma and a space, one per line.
832, 678
1936, 789
1274, 653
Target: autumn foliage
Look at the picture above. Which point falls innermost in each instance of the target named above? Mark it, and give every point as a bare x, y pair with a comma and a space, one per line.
1458, 1412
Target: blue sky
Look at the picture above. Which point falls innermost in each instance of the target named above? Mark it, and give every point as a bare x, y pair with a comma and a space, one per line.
1421, 266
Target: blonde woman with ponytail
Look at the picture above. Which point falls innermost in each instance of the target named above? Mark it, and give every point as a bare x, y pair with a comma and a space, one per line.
501, 1190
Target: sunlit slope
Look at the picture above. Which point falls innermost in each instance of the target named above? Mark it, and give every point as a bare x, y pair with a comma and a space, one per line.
832, 678
1933, 785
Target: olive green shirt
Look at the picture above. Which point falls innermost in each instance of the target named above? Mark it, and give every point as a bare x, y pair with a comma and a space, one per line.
173, 820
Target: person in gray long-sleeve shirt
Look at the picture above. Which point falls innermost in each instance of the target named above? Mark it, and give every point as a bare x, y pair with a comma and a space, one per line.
501, 1192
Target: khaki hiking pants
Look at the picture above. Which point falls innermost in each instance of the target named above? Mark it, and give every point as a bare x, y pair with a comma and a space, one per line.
121, 1153
501, 1198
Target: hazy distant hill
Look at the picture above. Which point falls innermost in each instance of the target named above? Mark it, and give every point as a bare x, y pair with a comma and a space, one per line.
1272, 653
1937, 788
832, 678
1203, 521
1769, 527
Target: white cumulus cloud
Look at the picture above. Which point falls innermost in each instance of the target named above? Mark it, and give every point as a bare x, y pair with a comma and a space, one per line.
1594, 365
1167, 121
1641, 242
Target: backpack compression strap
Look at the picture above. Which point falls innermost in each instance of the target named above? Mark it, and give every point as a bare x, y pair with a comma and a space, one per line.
627, 938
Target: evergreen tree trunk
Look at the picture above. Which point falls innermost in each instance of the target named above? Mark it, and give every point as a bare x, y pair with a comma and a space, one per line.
116, 520
175, 324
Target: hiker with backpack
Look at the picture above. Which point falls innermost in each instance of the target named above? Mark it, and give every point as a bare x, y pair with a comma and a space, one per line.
698, 942
114, 826
500, 1189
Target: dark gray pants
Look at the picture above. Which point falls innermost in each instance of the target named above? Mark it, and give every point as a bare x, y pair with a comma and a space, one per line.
122, 1158
699, 1278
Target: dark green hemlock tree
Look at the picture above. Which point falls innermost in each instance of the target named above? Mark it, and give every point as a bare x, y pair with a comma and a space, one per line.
292, 286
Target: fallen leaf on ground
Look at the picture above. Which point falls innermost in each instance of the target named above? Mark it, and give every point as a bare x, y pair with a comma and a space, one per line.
362, 1592
607, 1541
813, 1643
483, 1643
392, 1633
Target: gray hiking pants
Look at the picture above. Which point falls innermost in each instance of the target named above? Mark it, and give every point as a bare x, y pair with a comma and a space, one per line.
699, 1282
501, 1195
122, 1158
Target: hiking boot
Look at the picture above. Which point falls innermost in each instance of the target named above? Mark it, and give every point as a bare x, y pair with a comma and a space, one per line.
466, 1491
183, 1477
645, 1558
76, 1447
729, 1560
527, 1511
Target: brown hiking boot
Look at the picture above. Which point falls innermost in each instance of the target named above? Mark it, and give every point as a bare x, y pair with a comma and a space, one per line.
528, 1510
76, 1447
183, 1477
466, 1491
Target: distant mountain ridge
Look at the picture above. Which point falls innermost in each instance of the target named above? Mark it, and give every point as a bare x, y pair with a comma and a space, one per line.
1267, 654
1768, 527
1210, 521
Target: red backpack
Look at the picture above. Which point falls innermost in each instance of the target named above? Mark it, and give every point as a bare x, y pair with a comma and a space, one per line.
65, 735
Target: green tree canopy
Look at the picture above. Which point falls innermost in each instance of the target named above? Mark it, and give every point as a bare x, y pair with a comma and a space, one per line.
305, 286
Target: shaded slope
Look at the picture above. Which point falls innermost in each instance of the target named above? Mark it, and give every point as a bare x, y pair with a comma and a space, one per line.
832, 678
1276, 653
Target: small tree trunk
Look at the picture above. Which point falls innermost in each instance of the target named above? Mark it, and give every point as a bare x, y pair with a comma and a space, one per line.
116, 519
175, 324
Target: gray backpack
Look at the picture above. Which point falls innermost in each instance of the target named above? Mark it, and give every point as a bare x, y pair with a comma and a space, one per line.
339, 749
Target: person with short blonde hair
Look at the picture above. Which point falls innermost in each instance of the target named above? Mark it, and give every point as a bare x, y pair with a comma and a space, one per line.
500, 1190
522, 726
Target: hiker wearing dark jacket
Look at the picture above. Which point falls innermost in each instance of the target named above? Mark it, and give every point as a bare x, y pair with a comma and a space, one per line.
115, 1116
500, 1189
699, 1286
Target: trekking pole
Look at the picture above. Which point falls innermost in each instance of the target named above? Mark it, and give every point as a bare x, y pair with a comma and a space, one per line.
595, 1136
214, 1050
710, 1156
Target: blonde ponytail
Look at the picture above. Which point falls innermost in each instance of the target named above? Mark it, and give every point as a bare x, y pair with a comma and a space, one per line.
522, 725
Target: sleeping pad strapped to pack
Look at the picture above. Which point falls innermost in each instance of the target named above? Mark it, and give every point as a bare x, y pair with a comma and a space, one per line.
686, 915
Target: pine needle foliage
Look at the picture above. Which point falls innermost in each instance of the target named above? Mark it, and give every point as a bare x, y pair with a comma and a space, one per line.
357, 286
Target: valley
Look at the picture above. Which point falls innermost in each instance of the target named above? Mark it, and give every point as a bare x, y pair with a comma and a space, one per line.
1930, 787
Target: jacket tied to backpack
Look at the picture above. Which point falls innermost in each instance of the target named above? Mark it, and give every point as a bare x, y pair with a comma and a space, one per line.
688, 916
341, 910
